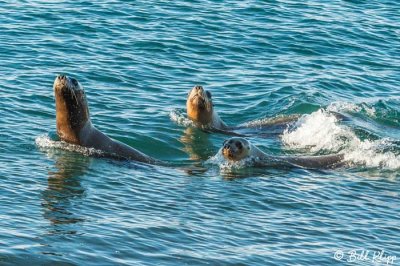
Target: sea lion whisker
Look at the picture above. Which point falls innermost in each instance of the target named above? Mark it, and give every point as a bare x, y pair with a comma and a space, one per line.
73, 93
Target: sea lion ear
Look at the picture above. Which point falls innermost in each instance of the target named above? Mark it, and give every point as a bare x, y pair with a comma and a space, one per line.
208, 94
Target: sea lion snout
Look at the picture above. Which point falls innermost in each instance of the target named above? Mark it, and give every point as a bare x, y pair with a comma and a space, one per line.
199, 105
199, 97
63, 82
230, 149
199, 93
235, 149
226, 148
227, 151
60, 81
199, 88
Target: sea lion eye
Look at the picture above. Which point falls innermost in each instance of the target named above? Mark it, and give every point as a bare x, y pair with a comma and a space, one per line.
208, 94
239, 145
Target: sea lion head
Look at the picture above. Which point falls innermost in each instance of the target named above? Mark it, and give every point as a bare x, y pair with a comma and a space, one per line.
199, 105
72, 111
236, 149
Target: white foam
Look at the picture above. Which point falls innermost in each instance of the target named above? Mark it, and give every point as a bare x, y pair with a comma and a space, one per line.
44, 142
351, 107
343, 107
180, 118
226, 165
321, 132
372, 154
317, 131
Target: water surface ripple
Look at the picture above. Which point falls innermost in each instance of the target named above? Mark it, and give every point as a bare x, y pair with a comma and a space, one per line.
137, 60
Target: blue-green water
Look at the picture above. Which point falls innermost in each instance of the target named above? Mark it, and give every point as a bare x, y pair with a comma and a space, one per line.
137, 61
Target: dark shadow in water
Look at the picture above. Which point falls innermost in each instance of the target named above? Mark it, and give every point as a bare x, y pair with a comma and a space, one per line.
64, 191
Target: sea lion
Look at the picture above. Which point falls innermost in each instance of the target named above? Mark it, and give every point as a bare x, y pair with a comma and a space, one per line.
237, 149
200, 109
74, 125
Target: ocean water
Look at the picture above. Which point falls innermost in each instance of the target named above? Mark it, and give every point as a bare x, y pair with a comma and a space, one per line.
137, 60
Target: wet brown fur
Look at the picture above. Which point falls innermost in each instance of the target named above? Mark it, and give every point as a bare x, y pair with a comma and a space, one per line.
199, 106
72, 111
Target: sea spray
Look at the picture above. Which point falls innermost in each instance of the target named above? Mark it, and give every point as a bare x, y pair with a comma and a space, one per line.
351, 108
317, 132
179, 117
322, 132
45, 142
227, 165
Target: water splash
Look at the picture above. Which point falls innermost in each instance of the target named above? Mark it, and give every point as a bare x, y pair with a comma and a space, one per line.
179, 117
351, 107
317, 131
373, 154
227, 166
321, 132
45, 142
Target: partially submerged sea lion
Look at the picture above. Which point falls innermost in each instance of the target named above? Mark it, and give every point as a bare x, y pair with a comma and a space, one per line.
237, 149
200, 109
74, 125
